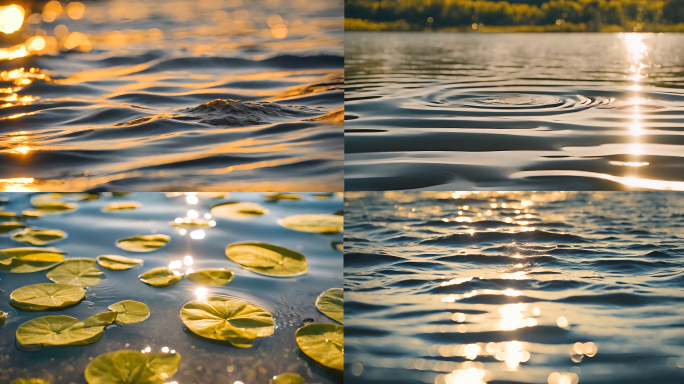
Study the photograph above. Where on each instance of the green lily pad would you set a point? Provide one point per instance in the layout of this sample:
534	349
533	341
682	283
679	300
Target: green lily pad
130	311
3	316
40	297
76	271
37	236
32	380
132	367
267	259
213	277
287	378
238	211
323	343
227	318
316	223
10	226
121	206
271	197
143	243
28	259
50	331
117	263
50	206
160	277
331	303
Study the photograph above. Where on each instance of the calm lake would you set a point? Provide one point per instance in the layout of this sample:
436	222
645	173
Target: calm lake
514	287
133	97
514	111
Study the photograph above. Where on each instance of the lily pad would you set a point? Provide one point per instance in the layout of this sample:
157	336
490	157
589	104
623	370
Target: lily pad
52	206
227	318
323	343
337	245
3	316
117	263
37	236
32	380
271	197
188	222
323	195
50	331
316	223
130	311
331	303
76	271
4	215
24	260
143	243
287	378
160	277
132	367
31	214
213	277
10	226
121	206
40	297
267	259
238	211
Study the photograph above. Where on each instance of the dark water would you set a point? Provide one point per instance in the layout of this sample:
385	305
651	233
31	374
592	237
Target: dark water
157	97
92	233
490	287
514	111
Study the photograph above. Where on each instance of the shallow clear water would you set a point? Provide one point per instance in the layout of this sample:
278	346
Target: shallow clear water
133	107
92	233
514	111
499	287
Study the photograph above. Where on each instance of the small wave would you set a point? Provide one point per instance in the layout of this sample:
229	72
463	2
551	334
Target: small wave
485	237
235	113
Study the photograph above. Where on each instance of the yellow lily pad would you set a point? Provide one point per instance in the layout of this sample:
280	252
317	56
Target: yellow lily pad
40	297
213	277
132	367
4	215
324	343
49	205
50	331
143	243
118	263
29	259
238	210
76	271
160	277
331	303
227	318
38	236
31	214
121	206
287	378
32	380
267	259
337	245
3	316
10	226
271	197
188	222
316	223
130	311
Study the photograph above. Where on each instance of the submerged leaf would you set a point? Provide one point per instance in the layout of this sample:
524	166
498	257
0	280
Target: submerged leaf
214	277
267	259
37	236
143	243
117	263
10	226
76	271
316	223
29	259
39	297
132	367
227	318
60	330
287	378
160	277
121	206
331	303
238	211
323	342
130	311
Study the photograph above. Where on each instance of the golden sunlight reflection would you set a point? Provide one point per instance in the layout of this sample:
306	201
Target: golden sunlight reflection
11	18
562	322
636	54
18	184
201	293
469	373
563	378
198	234
512	317
506	292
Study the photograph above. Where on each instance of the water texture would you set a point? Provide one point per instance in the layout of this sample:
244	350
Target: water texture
514	111
176	95
514	287
92	233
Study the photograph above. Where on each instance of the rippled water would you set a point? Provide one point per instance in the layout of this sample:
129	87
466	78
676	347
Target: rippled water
158	95
92	233
514	287
514	111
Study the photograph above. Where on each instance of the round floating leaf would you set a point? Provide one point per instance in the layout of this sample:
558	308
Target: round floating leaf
323	195
268	259
31	214
4	215
132	367
24	260
121	206
188	222
60	330
337	245
79	196
76	271
271	197
238	211
3	316
130	312
160	277
39	297
118	263
287	378
331	303
316	223
214	277
32	380
227	318
46	206
10	226
323	343
143	243
37	236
